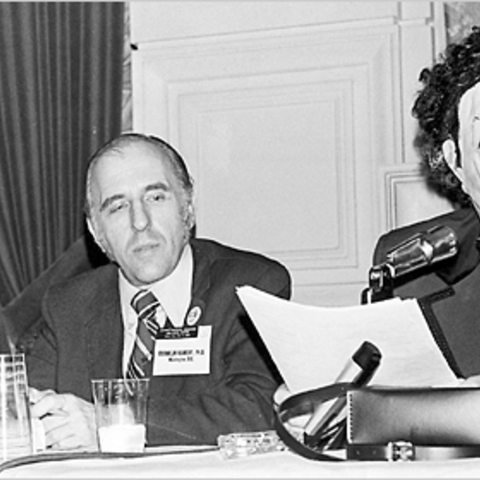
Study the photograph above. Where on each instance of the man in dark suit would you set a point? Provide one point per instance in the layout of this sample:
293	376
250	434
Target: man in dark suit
448	112
140	212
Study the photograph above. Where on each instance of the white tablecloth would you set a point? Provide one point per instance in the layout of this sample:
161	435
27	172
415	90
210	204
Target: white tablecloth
211	464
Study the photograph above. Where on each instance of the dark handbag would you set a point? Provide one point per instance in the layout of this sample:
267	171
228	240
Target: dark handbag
413	423
383	423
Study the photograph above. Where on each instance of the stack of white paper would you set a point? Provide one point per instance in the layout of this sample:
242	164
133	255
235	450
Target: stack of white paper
310	345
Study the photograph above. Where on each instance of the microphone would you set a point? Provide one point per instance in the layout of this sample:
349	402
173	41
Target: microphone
358	370
422	249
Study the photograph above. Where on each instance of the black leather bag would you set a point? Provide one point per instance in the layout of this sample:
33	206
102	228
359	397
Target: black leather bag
383	423
413	423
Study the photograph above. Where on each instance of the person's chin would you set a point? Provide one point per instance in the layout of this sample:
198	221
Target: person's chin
150	271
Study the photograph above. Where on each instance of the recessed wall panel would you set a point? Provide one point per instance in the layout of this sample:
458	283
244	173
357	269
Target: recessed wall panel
286	130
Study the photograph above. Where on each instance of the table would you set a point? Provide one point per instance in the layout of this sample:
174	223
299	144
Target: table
211	464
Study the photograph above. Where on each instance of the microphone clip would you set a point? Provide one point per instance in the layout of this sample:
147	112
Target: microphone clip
380	284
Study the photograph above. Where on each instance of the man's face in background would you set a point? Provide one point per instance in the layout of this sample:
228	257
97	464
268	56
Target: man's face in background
140	215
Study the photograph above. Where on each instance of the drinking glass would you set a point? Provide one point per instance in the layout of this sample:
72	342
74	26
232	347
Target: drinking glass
120	412
15	423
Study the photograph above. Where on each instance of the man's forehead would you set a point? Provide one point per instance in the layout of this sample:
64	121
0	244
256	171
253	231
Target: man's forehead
133	157
131	167
134	150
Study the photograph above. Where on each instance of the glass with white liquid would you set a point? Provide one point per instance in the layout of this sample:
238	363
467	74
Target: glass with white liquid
121	411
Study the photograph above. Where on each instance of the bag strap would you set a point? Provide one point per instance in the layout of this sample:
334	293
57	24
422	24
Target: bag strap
306	402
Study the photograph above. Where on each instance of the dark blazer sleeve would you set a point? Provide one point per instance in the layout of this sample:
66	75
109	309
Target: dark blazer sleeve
79	336
40	356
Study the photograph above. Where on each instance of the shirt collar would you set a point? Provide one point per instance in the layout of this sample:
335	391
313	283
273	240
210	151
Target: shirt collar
173	292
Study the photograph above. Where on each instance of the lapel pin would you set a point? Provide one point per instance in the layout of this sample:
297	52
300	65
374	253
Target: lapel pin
193	316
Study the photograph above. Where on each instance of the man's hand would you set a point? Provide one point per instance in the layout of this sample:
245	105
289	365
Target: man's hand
68	421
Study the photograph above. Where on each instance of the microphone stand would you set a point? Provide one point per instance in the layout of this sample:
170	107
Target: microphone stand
380	284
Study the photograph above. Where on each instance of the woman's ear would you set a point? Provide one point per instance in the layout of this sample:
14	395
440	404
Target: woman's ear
449	151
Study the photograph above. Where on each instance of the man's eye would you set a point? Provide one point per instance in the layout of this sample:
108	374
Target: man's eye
156	197
117	207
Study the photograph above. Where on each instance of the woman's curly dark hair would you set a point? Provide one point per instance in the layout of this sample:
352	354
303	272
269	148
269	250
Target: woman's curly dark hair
436	109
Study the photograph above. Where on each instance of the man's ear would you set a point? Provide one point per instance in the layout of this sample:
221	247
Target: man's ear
91	229
449	151
190	216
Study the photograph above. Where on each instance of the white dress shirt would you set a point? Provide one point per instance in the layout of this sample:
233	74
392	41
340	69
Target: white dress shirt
173	293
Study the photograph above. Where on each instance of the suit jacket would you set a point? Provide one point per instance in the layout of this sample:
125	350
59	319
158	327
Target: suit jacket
448	291
82	339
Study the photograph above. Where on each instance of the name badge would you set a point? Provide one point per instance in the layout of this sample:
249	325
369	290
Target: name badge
183	351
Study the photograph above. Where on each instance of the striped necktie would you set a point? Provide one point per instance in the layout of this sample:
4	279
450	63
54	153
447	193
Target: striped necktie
145	304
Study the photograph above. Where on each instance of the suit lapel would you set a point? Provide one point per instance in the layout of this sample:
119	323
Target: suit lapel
104	329
453	318
201	278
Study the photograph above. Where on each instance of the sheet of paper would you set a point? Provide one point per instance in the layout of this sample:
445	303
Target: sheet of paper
310	345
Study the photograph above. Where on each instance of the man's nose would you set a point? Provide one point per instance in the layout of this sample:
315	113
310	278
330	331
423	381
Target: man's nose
140	216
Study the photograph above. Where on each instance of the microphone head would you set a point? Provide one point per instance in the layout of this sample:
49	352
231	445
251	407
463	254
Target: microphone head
367	357
422	249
